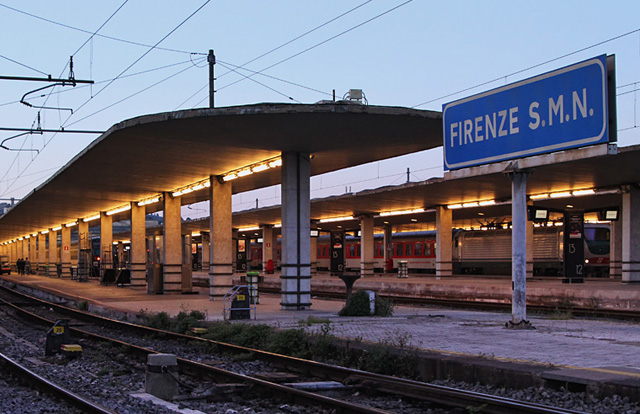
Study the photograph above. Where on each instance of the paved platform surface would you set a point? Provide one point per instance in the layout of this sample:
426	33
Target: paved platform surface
598	347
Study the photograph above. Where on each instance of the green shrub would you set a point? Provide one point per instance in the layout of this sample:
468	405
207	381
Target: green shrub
358	305
160	320
291	342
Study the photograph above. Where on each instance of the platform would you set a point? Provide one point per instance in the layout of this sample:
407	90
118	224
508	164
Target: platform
569	348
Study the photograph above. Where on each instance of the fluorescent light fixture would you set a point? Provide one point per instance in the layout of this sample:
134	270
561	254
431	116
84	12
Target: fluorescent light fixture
560	194
75	223
148	201
119	210
401	212
275	163
259	168
44	232
244	173
454	206
249	229
20	238
558	224
207	183
56	228
176	193
198	187
472	204
88	219
27	236
196	234
187	190
334	219
277	226
229	177
487	203
539	196
583	192
34	234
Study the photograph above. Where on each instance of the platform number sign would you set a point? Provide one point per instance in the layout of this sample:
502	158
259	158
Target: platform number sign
337	252
574	247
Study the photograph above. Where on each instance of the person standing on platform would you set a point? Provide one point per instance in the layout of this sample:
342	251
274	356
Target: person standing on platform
18	264
27	267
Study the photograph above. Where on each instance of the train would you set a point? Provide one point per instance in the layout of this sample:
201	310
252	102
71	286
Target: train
475	252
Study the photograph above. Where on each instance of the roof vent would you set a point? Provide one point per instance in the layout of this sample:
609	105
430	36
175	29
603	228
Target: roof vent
356	95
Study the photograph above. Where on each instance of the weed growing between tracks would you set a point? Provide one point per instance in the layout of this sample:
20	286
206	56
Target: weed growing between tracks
359	305
392	356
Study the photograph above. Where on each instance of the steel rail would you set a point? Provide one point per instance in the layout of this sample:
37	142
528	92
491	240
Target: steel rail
43	384
396	386
220	374
619	314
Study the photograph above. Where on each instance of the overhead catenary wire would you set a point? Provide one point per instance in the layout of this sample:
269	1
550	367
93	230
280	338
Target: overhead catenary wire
537	65
24	65
321	43
131	42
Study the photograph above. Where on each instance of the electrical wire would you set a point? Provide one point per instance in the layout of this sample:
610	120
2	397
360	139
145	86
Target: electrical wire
528	68
98	35
23	65
323	42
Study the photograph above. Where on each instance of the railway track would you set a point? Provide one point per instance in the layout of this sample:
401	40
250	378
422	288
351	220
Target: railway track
617	314
361	381
36	381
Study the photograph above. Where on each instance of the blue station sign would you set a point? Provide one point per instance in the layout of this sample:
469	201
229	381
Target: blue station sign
566	108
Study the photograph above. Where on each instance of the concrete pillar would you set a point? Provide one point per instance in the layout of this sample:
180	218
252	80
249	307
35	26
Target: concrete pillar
296	243
54	252
138	247
234	251
222	246
529	253
268	246
65	252
42	254
313	250
14	254
631	235
387	252
172	245
518	250
366	246
106	241
33	257
444	253
206	247
24	247
615	253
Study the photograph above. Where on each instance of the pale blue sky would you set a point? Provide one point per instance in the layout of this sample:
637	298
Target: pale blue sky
417	53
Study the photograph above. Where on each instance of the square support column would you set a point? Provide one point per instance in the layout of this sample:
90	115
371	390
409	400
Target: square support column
54	253
615	253
42	254
206	248
106	243
65	252
220	230
172	245
387	251
268	246
444	254
296	243
529	248
631	235
313	250
138	247
366	246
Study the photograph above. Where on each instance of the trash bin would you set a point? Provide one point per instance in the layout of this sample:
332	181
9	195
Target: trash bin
74	272
270	269
403	268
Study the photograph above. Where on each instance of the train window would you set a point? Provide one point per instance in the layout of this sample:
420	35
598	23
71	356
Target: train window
377	252
399	249
418	251
358	250
597	240
319	253
408	250
352	250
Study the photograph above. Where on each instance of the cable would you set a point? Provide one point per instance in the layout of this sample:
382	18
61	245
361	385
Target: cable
144	54
23	65
98	35
323	42
101	26
131	96
529	68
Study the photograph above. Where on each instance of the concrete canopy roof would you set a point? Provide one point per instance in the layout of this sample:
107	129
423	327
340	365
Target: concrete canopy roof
141	157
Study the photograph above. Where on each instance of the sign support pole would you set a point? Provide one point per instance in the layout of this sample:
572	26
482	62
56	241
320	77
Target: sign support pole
518	249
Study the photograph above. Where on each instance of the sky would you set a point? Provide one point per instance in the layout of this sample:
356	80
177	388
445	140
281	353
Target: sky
419	54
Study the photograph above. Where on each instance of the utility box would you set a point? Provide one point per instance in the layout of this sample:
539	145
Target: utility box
240	306
403	268
162	372
57	336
